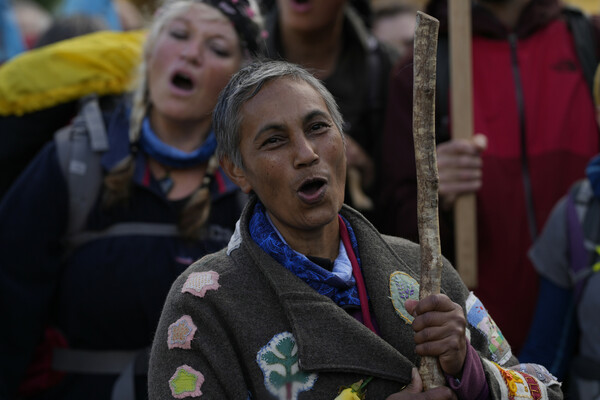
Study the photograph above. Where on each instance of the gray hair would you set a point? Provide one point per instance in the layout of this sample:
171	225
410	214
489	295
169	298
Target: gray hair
244	85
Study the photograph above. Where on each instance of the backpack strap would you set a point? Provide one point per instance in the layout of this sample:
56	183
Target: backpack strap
585	42
79	148
583	220
124	229
126	364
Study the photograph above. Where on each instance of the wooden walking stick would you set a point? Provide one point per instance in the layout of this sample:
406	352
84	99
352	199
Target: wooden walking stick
461	105
424	75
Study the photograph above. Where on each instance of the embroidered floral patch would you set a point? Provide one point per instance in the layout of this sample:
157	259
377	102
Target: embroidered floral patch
200	282
186	382
402	288
520	385
279	362
479	318
181	333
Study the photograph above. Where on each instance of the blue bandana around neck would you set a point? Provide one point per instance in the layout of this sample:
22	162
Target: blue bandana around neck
172	157
320	279
593	174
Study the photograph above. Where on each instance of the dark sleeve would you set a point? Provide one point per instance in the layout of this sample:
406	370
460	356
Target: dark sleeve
552	335
206	355
32	221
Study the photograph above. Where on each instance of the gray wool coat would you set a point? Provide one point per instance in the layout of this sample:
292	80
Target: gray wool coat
238	325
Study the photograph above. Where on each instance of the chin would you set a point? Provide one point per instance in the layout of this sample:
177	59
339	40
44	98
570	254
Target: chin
322	217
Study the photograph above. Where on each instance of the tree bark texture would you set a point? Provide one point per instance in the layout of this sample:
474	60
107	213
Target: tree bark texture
425	52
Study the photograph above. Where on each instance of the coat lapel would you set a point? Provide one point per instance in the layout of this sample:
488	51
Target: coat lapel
330	339
379	261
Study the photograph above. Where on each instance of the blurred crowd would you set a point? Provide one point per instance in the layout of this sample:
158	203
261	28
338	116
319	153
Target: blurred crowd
148	192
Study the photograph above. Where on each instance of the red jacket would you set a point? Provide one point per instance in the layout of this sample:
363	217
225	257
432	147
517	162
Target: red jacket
555	115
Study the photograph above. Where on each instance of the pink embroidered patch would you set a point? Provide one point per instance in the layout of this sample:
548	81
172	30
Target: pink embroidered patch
181	333
186	382
199	282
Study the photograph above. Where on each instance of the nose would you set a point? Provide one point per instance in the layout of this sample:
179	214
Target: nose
192	52
305	152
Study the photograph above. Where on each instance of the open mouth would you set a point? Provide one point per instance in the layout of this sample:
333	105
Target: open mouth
183	82
301	5
311	189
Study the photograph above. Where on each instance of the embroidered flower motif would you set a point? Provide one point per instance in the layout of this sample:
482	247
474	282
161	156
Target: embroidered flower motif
186	382
478	317
200	282
356	391
181	333
279	362
520	384
402	288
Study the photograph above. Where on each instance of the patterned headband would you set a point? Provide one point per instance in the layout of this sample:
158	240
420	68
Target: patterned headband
246	21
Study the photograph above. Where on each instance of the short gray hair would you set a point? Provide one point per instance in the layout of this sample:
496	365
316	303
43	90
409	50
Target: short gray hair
244	85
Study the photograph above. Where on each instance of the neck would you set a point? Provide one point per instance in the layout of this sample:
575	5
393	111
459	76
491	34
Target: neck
508	12
323	242
317	51
185	136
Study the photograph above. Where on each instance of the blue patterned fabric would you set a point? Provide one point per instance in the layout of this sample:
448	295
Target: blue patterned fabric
172	157
323	281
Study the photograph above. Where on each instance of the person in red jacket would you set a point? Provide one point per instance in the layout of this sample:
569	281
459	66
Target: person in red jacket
534	115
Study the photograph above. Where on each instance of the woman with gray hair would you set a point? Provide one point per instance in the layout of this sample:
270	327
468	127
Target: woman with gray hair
308	297
81	305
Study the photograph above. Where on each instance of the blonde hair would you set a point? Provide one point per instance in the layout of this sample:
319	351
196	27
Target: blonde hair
118	183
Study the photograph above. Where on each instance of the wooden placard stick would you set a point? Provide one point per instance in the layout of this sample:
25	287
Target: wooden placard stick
461	105
424	75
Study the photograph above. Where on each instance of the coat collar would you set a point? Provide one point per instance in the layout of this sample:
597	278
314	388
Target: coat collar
330	339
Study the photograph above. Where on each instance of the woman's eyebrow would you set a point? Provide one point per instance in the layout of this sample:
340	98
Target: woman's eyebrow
315	113
268	127
279	126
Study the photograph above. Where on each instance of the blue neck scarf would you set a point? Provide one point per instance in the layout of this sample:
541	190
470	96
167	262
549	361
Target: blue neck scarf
172	157
320	279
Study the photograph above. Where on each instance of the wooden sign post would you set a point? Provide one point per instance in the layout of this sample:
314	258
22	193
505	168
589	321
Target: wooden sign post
461	117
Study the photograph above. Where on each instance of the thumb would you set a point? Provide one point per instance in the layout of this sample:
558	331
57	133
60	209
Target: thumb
480	141
416	384
410	306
